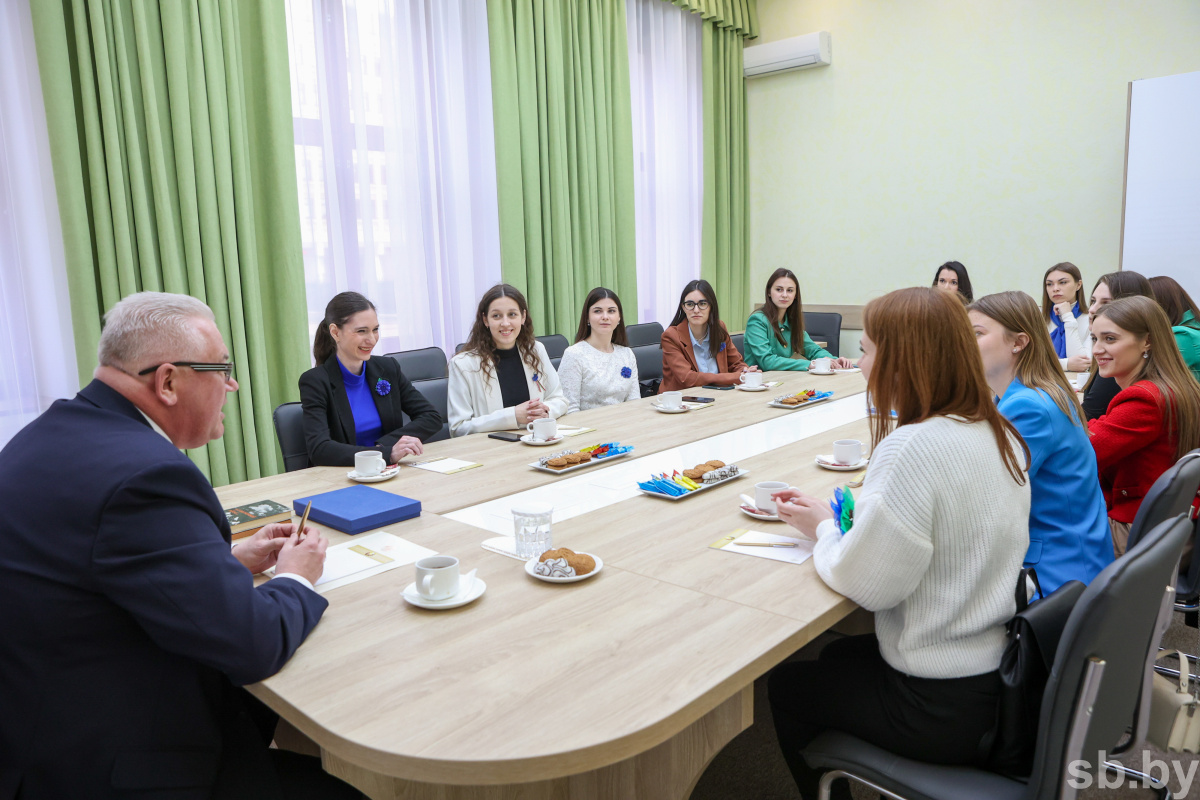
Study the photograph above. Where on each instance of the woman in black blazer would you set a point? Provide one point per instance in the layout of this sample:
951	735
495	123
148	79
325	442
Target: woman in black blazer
347	380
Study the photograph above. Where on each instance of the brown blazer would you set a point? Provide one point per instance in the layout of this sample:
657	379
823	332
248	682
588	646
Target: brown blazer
679	361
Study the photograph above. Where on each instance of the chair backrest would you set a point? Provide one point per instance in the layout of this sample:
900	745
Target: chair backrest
554	362
644	333
739	341
556	344
1171	495
423	364
1100	683
289	430
822	326
458	348
436	391
649	361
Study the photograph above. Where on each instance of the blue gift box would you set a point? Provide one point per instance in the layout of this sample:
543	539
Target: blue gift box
358	508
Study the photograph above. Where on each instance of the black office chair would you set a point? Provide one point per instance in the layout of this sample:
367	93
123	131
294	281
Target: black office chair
824	327
289	430
1099	689
649	365
644	333
556	344
1176	491
739	341
423	364
458	348
435	390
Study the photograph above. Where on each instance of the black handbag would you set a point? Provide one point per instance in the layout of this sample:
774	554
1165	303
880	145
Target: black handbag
1033	635
649	387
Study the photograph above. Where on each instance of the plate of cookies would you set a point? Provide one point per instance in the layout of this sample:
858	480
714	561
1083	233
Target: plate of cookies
562	565
678	485
800	399
571	460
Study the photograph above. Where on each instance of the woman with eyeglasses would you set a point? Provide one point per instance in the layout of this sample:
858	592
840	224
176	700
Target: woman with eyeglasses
697	349
353	402
775	335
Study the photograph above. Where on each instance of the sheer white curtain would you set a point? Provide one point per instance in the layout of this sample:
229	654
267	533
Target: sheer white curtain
666	88
395	158
37	352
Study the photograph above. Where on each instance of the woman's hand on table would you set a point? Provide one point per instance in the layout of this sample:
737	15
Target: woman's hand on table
531	410
1079	363
802	511
843	363
748	368
407	446
259	552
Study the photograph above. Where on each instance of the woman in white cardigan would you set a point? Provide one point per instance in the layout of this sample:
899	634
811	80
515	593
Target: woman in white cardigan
934	548
1065	310
503	378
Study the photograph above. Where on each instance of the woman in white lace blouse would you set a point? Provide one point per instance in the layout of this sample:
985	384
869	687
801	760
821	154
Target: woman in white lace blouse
600	368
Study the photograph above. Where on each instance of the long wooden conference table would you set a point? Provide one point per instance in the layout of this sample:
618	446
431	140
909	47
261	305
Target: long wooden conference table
624	685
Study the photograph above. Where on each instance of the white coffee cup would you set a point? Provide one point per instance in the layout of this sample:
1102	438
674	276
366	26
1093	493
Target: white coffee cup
821	365
763	492
437	577
752	380
671	399
847	451
368	463
543	430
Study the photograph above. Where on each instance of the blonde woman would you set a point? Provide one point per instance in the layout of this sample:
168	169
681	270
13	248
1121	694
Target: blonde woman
1155	417
1068	524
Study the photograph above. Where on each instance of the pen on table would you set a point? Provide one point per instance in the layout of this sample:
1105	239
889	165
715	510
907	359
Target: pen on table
303	521
765	544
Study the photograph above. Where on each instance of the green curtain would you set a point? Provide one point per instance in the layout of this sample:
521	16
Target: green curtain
171	136
739	15
564	154
725	236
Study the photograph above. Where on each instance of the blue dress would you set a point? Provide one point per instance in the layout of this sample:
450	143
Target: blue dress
1069	535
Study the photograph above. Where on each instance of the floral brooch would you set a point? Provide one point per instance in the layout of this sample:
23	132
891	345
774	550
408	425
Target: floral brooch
382	387
722	350
626	372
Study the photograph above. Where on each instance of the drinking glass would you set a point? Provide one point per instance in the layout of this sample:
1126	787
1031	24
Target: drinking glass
531	529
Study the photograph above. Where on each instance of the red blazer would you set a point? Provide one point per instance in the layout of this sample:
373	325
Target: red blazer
680	370
1132	448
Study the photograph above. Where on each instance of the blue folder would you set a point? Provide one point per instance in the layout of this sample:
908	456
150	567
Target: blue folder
358	508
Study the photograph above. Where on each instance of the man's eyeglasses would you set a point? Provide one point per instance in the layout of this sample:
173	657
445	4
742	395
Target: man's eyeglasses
198	366
700	304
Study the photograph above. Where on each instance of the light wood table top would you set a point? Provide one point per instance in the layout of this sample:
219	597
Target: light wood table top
505	467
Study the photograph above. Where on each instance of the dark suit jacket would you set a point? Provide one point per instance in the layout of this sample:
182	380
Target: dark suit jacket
329	422
125	622
680	370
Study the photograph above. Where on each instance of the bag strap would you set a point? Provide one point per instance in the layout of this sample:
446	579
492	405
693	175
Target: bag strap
1021	594
1185	667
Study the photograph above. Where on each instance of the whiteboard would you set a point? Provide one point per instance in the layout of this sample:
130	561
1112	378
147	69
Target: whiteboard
1162	180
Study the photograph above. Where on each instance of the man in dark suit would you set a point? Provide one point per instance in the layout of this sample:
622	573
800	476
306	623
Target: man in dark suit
125	620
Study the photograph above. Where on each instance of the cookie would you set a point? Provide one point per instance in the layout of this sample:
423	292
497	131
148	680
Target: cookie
582	563
715	464
694	474
558	552
557	463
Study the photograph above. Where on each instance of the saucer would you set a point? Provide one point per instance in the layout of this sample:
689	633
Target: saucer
826	372
386	475
745	509
666	410
827	462
848	369
762	387
531	563
528	439
461	599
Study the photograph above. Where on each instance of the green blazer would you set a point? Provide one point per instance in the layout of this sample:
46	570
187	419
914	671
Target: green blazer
1187	336
764	351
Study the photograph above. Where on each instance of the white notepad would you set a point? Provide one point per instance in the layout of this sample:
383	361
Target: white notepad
793	555
446	466
365	556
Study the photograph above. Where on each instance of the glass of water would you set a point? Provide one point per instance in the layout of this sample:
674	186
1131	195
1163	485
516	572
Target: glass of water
531	529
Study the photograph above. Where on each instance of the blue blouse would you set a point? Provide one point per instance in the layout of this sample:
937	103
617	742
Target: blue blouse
368	427
704	360
1069	536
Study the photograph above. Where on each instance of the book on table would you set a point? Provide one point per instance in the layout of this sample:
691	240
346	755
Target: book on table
246	519
358	508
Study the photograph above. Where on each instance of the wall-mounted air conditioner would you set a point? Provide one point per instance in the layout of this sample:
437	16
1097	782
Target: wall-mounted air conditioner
799	52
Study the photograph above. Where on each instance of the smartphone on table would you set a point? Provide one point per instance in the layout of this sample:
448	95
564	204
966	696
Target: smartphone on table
688	399
505	436
718	388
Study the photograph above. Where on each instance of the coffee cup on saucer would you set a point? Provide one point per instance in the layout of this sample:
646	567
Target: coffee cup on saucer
368	463
763	492
437	577
543	430
751	380
821	366
671	399
847	451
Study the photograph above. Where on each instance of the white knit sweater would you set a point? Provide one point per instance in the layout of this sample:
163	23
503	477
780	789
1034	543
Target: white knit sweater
940	531
591	378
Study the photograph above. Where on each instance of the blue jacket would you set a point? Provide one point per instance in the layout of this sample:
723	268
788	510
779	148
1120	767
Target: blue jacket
1069	536
126	622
